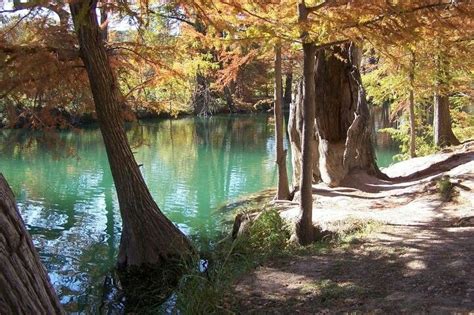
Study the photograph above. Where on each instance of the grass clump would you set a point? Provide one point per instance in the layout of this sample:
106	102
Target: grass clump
445	188
207	291
329	291
268	235
352	230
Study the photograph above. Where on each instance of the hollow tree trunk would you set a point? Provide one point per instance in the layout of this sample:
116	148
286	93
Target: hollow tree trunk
25	287
295	129
411	107
283	192
343	129
148	237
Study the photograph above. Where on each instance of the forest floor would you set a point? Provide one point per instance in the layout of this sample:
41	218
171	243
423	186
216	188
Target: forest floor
419	259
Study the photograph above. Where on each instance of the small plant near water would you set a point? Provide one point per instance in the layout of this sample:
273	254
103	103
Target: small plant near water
445	188
205	292
268	235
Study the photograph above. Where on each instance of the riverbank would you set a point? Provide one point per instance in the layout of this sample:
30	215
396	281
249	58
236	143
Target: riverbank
59	118
403	245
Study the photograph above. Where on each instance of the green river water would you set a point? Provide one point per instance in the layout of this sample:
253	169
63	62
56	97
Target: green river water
192	166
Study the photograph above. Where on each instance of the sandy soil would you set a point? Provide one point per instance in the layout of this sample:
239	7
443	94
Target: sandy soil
421	260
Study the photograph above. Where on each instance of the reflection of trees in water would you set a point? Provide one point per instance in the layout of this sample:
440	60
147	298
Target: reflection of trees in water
192	166
205	162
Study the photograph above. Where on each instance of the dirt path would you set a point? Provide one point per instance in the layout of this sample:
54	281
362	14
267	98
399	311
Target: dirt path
421	260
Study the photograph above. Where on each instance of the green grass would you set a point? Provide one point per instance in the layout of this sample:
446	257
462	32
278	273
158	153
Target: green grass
445	188
205	292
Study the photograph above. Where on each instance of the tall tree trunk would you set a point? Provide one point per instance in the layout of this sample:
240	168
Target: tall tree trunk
443	134
288	89
305	230
25	287
148	237
283	192
343	129
412	107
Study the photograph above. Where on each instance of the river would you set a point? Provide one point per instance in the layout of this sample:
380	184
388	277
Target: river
192	166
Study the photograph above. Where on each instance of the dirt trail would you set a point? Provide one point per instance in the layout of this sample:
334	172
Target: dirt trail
421	260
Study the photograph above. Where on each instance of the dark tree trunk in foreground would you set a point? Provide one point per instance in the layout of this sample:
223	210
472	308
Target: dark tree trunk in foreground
283	192
343	131
411	107
148	237
443	134
24	284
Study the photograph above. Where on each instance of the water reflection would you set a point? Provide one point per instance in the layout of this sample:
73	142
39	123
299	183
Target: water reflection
192	166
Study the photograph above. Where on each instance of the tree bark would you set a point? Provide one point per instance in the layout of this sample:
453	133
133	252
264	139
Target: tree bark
288	89
343	129
202	98
104	21
305	230
25	287
283	192
443	134
411	107
229	99
148	237
295	129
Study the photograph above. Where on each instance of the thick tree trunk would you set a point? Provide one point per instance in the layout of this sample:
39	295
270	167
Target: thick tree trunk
295	129
283	192
25	287
443	134
288	89
148	237
411	108
343	129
